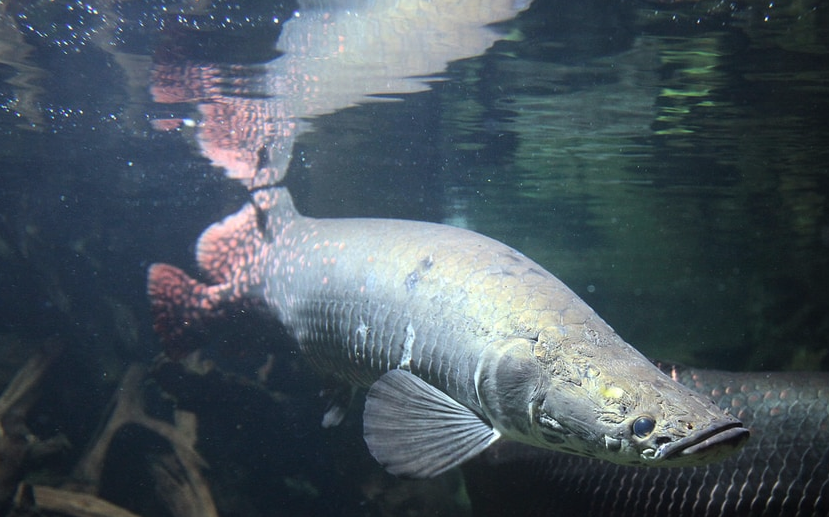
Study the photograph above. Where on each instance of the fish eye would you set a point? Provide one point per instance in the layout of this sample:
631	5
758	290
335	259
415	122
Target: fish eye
643	426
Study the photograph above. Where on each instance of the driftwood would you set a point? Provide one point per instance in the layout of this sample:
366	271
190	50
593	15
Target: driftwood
17	443
170	474
179	483
32	499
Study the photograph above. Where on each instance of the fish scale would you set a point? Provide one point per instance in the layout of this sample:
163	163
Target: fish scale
460	340
375	252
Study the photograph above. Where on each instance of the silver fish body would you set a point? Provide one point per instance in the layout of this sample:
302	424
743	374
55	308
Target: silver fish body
460	339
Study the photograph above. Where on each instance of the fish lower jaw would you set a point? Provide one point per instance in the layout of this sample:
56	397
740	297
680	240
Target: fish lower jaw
701	448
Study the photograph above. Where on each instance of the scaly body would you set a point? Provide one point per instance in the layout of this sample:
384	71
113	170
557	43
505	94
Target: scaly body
461	339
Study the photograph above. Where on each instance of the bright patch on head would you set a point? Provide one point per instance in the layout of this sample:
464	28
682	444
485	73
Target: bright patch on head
613	392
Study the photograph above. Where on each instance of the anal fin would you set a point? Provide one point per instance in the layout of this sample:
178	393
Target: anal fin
415	430
339	400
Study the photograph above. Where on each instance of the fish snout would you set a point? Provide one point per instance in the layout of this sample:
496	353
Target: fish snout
713	443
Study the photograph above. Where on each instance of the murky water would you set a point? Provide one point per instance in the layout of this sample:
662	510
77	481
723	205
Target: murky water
668	161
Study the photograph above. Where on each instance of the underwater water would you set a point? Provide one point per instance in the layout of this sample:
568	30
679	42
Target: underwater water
667	161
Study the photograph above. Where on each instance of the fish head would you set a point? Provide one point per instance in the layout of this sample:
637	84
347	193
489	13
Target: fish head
653	422
615	406
611	403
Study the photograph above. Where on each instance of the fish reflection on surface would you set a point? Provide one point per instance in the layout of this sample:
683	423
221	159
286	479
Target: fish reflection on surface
332	56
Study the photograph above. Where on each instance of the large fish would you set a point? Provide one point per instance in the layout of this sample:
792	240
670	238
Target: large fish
460	339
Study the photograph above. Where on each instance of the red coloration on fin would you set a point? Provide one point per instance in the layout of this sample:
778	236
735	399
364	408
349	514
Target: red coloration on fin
230	254
229	251
180	305
229	246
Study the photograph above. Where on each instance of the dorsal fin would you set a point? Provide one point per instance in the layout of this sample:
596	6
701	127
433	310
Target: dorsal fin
274	208
226	245
273	199
261	219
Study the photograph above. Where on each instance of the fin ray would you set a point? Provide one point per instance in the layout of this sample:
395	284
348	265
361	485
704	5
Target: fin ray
415	430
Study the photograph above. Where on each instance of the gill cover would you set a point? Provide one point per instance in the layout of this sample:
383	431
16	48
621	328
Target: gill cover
509	379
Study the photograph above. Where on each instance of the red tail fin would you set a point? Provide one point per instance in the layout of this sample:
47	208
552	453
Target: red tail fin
231	254
180	306
228	253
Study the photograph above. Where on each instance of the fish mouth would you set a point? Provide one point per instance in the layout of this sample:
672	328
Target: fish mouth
707	446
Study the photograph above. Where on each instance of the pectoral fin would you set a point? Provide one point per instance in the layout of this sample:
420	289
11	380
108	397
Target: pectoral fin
415	430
